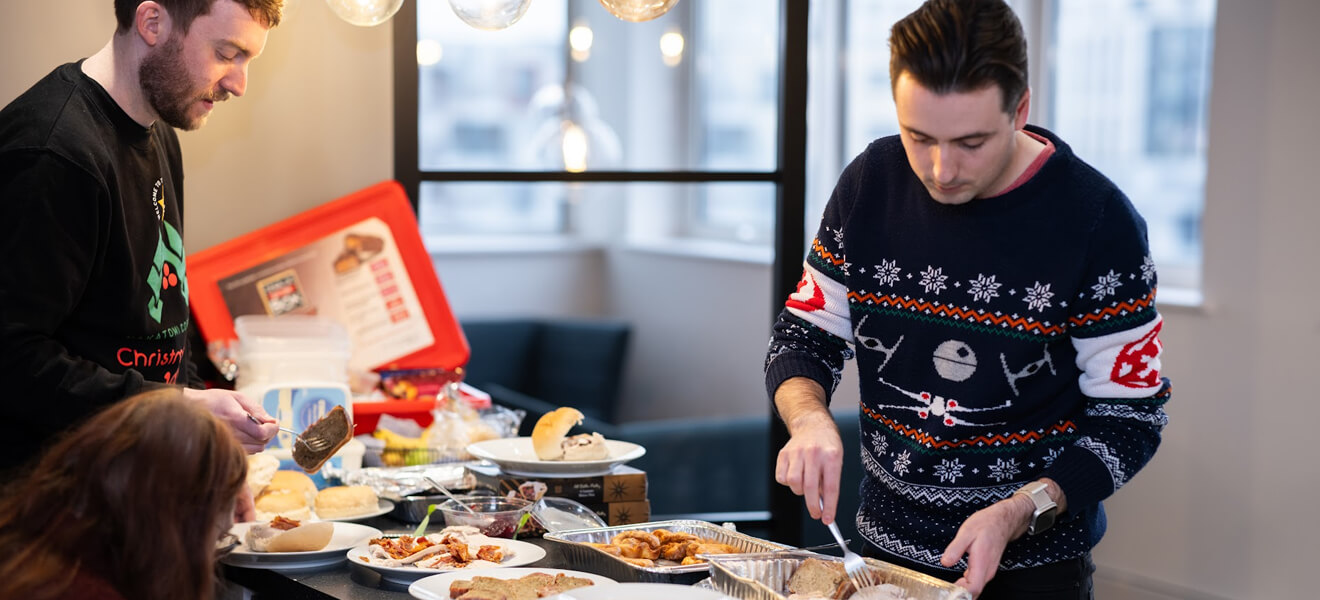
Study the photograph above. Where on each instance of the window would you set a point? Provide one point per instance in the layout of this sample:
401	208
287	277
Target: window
1125	82
494	104
1128	90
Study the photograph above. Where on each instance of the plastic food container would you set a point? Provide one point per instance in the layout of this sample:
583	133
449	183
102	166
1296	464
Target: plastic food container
497	516
563	514
291	348
765	576
574	549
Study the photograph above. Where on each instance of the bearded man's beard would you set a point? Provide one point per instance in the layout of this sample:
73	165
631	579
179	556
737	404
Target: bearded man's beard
168	85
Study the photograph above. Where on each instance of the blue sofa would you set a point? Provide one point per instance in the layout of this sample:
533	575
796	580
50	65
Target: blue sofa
712	468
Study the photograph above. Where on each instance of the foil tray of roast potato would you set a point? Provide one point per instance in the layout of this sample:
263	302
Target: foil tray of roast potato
765	576
574	546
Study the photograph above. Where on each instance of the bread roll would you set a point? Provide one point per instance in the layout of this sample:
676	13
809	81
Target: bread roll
261	468
308	537
296	482
548	435
282	503
345	501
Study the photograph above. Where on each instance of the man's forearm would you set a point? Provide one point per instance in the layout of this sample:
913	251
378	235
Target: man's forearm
801	402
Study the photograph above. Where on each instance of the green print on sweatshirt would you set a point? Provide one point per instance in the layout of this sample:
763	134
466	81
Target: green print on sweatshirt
167	270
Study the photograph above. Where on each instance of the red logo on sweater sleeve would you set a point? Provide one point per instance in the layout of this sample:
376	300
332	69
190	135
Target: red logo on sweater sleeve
808	297
1134	367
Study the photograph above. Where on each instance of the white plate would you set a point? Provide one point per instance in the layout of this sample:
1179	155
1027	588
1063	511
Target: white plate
641	591
436	587
346	535
523	554
382	506
516	456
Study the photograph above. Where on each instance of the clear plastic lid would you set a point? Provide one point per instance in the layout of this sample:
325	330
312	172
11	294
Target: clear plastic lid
290	334
562	514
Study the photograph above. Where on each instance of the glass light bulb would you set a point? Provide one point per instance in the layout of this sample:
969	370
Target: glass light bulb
638	10
490	14
568	132
671	48
365	13
574	147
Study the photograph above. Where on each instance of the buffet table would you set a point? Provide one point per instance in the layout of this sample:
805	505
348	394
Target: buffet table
344	580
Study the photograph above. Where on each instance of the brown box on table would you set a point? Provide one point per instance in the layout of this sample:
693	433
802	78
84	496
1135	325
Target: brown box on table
624	484
623	513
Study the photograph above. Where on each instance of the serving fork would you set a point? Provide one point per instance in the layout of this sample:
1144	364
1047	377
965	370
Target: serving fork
315	444
859	573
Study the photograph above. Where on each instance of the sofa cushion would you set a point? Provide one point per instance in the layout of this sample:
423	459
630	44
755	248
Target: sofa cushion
579	364
501	352
704	464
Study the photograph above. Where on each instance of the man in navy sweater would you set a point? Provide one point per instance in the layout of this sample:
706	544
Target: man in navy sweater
94	292
998	295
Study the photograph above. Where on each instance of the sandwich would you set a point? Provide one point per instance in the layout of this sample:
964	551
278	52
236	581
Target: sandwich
550	438
287	535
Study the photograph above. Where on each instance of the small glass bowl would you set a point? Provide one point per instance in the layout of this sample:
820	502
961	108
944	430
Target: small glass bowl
497	517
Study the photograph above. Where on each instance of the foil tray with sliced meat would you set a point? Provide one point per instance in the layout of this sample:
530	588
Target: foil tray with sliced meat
575	549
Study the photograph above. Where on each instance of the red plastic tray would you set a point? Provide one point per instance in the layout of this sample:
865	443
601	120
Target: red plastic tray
386	201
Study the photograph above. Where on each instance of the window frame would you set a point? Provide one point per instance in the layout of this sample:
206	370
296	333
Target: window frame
788	177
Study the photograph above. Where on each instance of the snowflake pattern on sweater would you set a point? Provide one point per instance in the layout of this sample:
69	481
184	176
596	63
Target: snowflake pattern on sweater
996	342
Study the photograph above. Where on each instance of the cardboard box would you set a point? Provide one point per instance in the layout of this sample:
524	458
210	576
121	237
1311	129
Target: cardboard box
623	484
623	513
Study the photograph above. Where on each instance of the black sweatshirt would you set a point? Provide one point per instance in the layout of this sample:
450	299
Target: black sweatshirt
93	293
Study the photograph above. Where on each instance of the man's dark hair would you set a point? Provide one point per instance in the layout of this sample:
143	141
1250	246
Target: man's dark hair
184	12
957	46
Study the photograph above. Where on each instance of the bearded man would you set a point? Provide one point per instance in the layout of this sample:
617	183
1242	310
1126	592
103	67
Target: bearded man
93	288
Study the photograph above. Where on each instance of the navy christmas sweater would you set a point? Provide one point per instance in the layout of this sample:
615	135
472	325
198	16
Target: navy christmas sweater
997	342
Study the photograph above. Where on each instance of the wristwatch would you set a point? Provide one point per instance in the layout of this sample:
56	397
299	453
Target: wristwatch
1046	509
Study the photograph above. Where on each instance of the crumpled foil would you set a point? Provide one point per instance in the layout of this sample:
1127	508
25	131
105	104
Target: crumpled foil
394	483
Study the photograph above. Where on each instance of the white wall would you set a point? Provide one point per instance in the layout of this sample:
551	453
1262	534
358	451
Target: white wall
314	125
1227	507
1224	511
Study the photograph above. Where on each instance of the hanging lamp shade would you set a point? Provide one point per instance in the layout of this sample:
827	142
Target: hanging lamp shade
570	134
365	13
638	10
490	14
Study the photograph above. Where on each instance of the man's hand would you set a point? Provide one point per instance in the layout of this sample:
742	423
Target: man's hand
812	460
985	534
233	408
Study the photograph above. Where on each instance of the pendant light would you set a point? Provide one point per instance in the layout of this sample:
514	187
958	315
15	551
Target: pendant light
571	134
638	10
365	13
490	14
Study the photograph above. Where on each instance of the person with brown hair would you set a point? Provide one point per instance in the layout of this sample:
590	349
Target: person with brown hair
91	196
998	295
131	504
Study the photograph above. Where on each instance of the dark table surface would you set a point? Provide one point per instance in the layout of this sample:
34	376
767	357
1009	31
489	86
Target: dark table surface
345	580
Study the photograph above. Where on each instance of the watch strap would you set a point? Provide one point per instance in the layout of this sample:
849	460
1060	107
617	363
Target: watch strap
1042	517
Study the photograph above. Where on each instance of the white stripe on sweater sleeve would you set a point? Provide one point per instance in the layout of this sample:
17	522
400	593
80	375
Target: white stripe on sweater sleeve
1121	365
823	302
